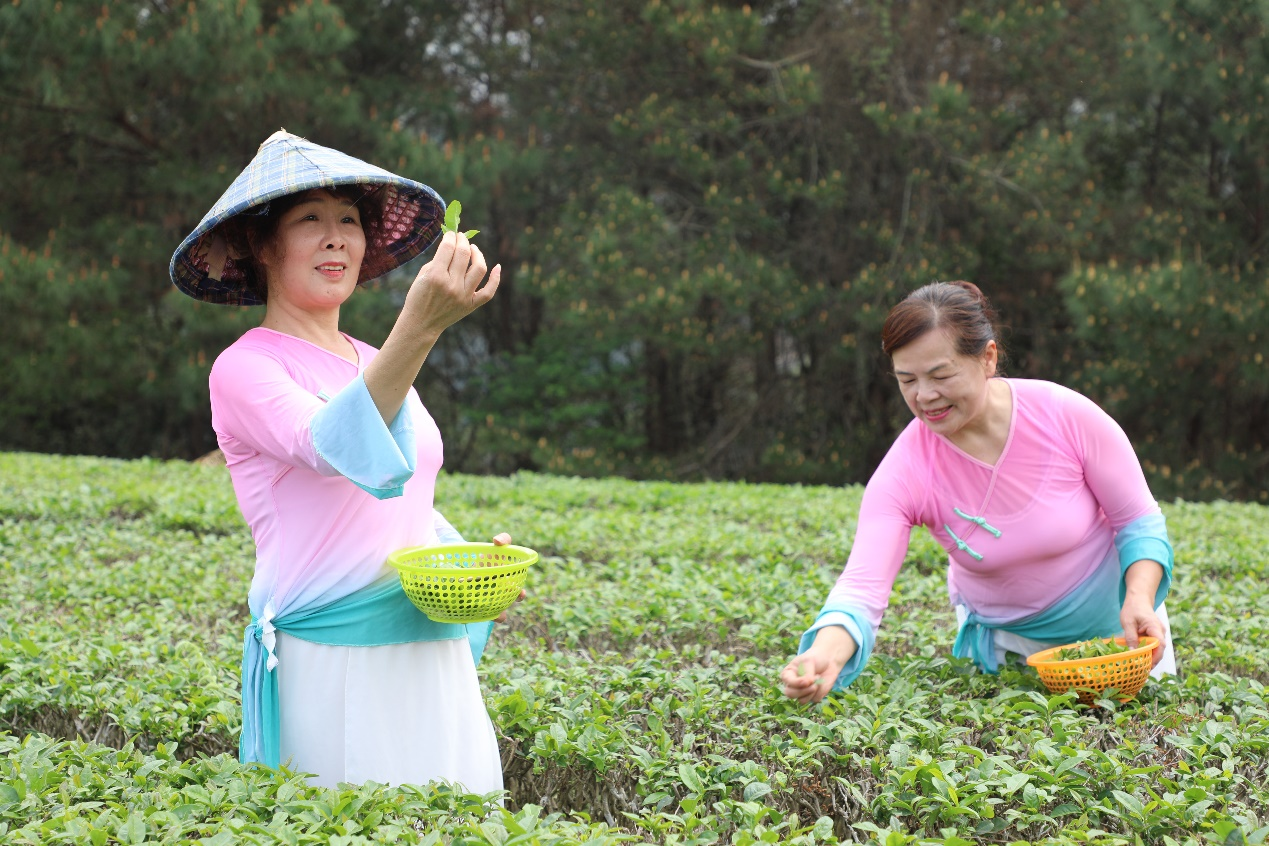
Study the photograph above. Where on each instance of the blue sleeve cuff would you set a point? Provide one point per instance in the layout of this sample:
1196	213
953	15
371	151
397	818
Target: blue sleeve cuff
1145	538
855	621
349	435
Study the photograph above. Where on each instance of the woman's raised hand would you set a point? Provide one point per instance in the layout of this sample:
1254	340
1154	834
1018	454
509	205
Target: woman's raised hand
447	288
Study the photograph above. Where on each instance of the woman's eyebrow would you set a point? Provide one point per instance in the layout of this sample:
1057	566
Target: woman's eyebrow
928	372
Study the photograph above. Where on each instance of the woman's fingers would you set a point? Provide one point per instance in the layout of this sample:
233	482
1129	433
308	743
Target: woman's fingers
794	686
808	678
1154	629
453	258
456	271
445	251
1132	618
501	539
467	270
474	271
462	255
802	681
1139	620
486	293
446	289
809	695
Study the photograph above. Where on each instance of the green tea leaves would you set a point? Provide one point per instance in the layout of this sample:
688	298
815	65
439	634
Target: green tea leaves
121	614
1089	649
452	214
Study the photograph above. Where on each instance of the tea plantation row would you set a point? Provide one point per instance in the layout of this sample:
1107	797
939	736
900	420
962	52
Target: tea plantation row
634	690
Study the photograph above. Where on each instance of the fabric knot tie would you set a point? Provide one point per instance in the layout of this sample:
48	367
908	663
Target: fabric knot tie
978	521
976	639
961	545
264	631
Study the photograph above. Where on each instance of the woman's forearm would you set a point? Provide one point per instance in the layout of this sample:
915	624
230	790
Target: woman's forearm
392	372
1141	580
447	289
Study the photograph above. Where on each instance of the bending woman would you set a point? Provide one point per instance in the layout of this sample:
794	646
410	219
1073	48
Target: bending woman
1035	492
334	462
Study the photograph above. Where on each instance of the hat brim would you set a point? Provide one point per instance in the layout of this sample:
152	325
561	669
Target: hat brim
411	220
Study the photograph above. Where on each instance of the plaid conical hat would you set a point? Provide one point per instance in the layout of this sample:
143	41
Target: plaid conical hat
204	267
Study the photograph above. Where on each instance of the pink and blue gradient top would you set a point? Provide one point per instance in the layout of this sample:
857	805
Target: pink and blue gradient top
1066	495
327	489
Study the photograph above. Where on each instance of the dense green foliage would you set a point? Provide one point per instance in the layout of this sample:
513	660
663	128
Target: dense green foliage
633	691
703	210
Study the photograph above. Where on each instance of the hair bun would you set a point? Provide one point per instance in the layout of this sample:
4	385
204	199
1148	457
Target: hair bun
973	289
980	299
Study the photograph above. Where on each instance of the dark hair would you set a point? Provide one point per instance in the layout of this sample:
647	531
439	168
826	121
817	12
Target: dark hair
248	234
958	308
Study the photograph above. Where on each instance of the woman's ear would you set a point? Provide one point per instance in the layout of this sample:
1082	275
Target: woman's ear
990	355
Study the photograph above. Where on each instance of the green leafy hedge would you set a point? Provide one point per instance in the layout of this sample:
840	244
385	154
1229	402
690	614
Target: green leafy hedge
634	691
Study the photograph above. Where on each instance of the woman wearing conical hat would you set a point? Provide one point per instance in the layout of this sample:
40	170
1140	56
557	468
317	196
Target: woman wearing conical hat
334	461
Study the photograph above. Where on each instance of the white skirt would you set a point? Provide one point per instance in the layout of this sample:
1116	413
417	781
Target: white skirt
1007	642
406	713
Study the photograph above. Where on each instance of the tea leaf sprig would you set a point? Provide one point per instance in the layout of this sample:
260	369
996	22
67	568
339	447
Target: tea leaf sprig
450	224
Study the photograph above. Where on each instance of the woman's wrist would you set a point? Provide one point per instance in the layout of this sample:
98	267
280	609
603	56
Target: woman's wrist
835	643
414	327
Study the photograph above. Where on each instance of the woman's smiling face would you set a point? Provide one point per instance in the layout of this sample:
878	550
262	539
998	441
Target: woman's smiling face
944	389
316	254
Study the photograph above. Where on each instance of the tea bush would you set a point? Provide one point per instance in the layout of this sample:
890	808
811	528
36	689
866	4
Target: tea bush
634	690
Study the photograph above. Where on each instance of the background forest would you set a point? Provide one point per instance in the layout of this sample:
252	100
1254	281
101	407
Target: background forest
703	210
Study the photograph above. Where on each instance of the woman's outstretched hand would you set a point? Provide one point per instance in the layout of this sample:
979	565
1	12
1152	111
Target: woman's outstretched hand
502	539
809	677
448	288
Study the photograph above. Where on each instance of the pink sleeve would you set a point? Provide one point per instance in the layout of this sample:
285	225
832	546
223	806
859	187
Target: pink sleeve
1111	468
256	404
886	518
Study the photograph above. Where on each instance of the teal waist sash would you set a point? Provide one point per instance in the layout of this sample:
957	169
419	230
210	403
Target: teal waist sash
1090	610
377	615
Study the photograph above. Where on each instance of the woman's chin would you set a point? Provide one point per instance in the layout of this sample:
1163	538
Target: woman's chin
336	295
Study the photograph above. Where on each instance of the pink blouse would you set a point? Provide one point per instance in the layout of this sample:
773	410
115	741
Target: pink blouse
319	536
1019	534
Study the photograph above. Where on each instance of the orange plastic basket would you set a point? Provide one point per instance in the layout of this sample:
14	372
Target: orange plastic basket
1125	671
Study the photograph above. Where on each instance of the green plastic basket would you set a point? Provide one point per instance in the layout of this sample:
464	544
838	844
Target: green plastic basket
463	582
